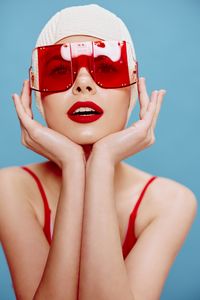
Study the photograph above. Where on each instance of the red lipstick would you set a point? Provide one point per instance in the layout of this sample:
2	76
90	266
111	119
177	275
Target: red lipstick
83	115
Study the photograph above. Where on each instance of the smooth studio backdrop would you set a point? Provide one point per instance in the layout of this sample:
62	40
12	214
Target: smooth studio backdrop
166	37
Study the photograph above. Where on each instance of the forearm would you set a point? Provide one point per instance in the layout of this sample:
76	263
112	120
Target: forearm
60	277
103	275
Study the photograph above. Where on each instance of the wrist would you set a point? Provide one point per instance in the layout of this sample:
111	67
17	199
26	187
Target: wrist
99	161
72	166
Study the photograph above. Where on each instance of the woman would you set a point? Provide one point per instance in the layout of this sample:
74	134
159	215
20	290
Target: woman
83	216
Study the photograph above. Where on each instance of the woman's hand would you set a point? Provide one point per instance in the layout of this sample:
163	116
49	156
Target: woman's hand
41	139
140	135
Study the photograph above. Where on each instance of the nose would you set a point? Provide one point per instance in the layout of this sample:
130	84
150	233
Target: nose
84	83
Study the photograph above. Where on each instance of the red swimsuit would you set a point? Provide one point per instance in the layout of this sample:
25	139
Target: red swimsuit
130	238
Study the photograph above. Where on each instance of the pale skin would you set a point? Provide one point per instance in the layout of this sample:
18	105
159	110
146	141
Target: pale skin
91	216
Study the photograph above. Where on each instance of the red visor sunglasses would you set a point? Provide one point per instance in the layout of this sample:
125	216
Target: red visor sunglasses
111	64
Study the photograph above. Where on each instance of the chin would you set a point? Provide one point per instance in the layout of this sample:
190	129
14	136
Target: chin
92	135
85	139
87	136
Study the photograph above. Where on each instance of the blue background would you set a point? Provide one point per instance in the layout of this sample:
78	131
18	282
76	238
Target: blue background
166	37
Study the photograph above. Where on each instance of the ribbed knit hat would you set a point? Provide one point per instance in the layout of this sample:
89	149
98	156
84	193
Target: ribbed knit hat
92	20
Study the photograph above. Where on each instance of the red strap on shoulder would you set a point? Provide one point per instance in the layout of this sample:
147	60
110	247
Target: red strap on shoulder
130	238
134	212
47	211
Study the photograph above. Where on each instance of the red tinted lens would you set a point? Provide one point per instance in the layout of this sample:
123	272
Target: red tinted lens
55	67
54	71
112	73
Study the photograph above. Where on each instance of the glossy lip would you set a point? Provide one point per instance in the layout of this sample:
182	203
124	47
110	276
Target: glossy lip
85	119
84	104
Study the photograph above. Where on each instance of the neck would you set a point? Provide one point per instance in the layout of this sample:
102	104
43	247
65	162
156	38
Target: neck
87	150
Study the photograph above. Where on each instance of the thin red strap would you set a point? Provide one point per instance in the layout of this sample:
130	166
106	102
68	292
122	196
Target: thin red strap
47	211
130	238
134	212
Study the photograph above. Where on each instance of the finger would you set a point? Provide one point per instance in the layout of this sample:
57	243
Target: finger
144	98
159	103
149	115
26	98
14	96
26	123
25	119
20	111
19	107
23	129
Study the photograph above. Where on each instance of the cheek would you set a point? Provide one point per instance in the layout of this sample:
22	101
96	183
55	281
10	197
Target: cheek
119	107
54	109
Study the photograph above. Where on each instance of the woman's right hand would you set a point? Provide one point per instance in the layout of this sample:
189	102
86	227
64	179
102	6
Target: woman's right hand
44	140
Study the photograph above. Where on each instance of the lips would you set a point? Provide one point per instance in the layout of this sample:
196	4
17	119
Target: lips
89	104
85	118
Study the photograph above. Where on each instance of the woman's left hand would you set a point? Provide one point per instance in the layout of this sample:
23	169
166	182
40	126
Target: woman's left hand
120	145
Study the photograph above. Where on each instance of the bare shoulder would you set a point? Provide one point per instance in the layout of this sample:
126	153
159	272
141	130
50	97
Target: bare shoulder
16	188
172	201
165	196
10	179
14	179
168	195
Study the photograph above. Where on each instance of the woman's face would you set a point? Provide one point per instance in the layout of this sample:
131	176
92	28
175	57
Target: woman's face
114	102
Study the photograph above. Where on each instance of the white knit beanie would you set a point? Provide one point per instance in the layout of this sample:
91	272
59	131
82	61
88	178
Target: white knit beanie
92	20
